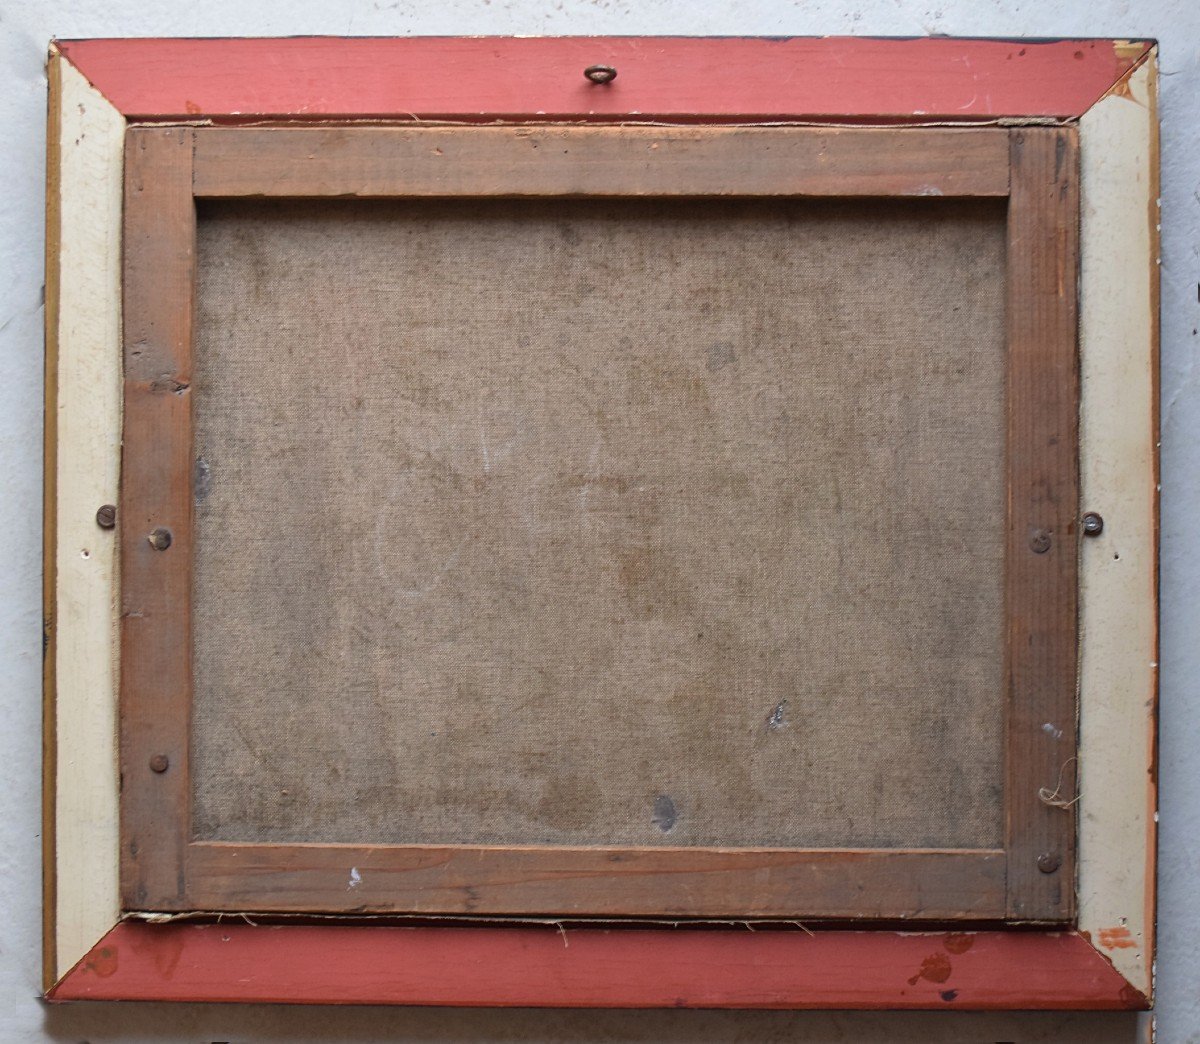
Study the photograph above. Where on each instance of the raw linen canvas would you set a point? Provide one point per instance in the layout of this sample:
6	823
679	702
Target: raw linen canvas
629	522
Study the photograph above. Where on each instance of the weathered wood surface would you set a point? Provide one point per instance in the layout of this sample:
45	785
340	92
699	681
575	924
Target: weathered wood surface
1043	396
599	161
920	885
667	78
1118	570
83	437
156	496
550	966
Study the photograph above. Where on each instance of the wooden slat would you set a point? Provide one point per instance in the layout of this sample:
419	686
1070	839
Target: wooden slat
545	966
604	161
1119	399
1043	393
919	885
50	528
83	438
484	78
156	677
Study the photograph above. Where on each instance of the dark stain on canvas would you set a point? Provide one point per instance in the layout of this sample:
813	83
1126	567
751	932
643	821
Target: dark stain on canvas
665	814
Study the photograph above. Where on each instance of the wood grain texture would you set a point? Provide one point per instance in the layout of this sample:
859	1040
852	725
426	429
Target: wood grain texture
50	529
545	966
736	883
156	676
1043	385
609	161
1118	570
595	161
499	161
83	435
482	78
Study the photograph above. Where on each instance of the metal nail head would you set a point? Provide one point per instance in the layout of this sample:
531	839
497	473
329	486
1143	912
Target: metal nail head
106	516
1093	524
1039	543
159	763
160	539
600	73
1048	862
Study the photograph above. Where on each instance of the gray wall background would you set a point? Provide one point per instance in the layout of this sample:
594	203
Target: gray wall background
25	28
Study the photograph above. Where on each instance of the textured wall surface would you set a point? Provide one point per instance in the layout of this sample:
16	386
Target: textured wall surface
25	28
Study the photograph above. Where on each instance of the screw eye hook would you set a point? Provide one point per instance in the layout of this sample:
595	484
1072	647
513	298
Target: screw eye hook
600	73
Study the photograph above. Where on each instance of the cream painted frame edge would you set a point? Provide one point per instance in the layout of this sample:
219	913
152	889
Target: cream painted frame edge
83	449
1119	479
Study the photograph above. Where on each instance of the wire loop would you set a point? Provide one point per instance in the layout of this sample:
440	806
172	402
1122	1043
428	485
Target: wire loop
600	73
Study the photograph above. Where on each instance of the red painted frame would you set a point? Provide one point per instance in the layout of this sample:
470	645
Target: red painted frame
694	79
544	966
825	80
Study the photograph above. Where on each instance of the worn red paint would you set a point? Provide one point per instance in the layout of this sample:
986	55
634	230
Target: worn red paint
1133	998
101	960
936	968
1119	938
593	967
959	942
675	78
166	951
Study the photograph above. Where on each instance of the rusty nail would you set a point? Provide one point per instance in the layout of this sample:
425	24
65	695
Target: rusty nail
1040	542
159	763
160	539
106	516
1048	862
600	73
1093	524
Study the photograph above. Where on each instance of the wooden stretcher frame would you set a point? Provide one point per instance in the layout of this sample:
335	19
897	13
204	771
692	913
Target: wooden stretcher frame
168	169
1101	92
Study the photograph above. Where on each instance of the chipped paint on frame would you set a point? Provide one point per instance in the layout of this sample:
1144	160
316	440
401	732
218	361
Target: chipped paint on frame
1118	479
83	411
